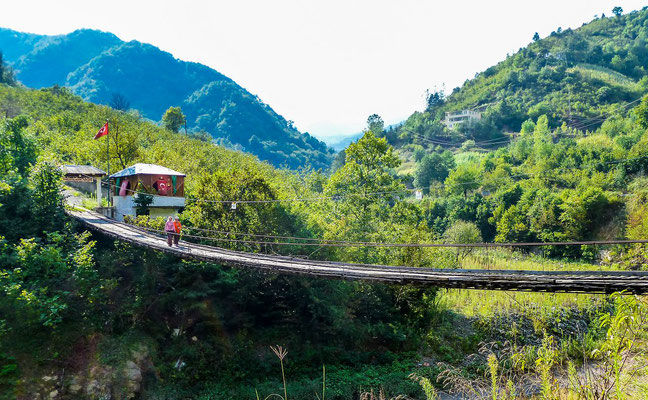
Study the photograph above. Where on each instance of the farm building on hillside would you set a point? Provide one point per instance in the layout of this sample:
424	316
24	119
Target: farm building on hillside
455	118
165	185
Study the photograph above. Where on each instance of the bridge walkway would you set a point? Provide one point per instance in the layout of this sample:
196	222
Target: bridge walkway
536	281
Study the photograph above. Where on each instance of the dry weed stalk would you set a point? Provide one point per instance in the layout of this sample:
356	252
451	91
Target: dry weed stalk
380	396
281	353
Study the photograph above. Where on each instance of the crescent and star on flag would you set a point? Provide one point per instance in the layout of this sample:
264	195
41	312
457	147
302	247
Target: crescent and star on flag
102	132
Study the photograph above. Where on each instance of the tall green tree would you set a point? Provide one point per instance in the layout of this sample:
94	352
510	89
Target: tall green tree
433	167
463	179
47	197
376	124
367	169
173	119
617	11
369	204
6	73
641	111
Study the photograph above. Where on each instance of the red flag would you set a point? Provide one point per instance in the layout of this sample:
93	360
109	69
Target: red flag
102	132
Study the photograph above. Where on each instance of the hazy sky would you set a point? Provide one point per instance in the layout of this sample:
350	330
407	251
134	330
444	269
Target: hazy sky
329	64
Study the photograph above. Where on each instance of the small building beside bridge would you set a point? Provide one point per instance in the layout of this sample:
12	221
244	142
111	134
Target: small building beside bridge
164	185
86	179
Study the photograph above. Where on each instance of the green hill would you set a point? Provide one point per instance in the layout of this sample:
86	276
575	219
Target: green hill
574	76
97	65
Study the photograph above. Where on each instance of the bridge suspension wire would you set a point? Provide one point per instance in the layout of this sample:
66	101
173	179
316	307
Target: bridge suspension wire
441	143
581	125
265	236
341	243
404	190
609	114
306	199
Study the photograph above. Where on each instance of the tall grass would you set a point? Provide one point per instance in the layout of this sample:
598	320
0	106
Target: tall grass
606	75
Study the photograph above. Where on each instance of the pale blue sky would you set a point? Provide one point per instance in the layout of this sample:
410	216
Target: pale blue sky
326	65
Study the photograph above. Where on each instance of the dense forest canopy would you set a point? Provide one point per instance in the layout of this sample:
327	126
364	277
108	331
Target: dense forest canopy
99	66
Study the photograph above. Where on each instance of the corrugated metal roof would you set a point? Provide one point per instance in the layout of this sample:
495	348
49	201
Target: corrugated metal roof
146	169
81	170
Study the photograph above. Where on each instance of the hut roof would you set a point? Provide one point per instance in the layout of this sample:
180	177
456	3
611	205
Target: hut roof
146	169
81	170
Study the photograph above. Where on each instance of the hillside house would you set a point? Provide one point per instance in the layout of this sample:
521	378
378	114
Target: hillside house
164	184
452	119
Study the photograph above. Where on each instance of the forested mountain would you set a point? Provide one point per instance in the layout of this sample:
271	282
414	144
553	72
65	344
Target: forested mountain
572	76
98	65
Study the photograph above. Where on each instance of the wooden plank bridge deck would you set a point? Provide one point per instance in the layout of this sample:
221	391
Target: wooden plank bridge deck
537	281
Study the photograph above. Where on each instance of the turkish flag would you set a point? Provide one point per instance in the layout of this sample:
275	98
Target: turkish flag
102	132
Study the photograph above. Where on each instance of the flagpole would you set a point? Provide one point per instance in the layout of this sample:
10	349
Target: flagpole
108	164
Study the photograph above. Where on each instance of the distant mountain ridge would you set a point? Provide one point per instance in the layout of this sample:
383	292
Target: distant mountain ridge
95	65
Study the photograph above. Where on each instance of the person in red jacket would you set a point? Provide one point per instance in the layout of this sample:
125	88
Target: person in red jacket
178	228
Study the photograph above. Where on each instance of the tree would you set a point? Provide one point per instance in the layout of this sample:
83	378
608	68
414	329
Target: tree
512	224
642	113
433	167
174	119
536	37
338	161
434	98
463	179
119	102
367	168
18	147
366	186
418	153
246	183
6	73
468	145
375	124
142	202
47	197
462	232
617	11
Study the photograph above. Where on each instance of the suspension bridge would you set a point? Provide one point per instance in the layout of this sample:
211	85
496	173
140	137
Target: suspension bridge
631	282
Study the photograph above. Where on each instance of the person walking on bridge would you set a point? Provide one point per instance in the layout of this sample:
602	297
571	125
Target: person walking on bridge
169	228
178	228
